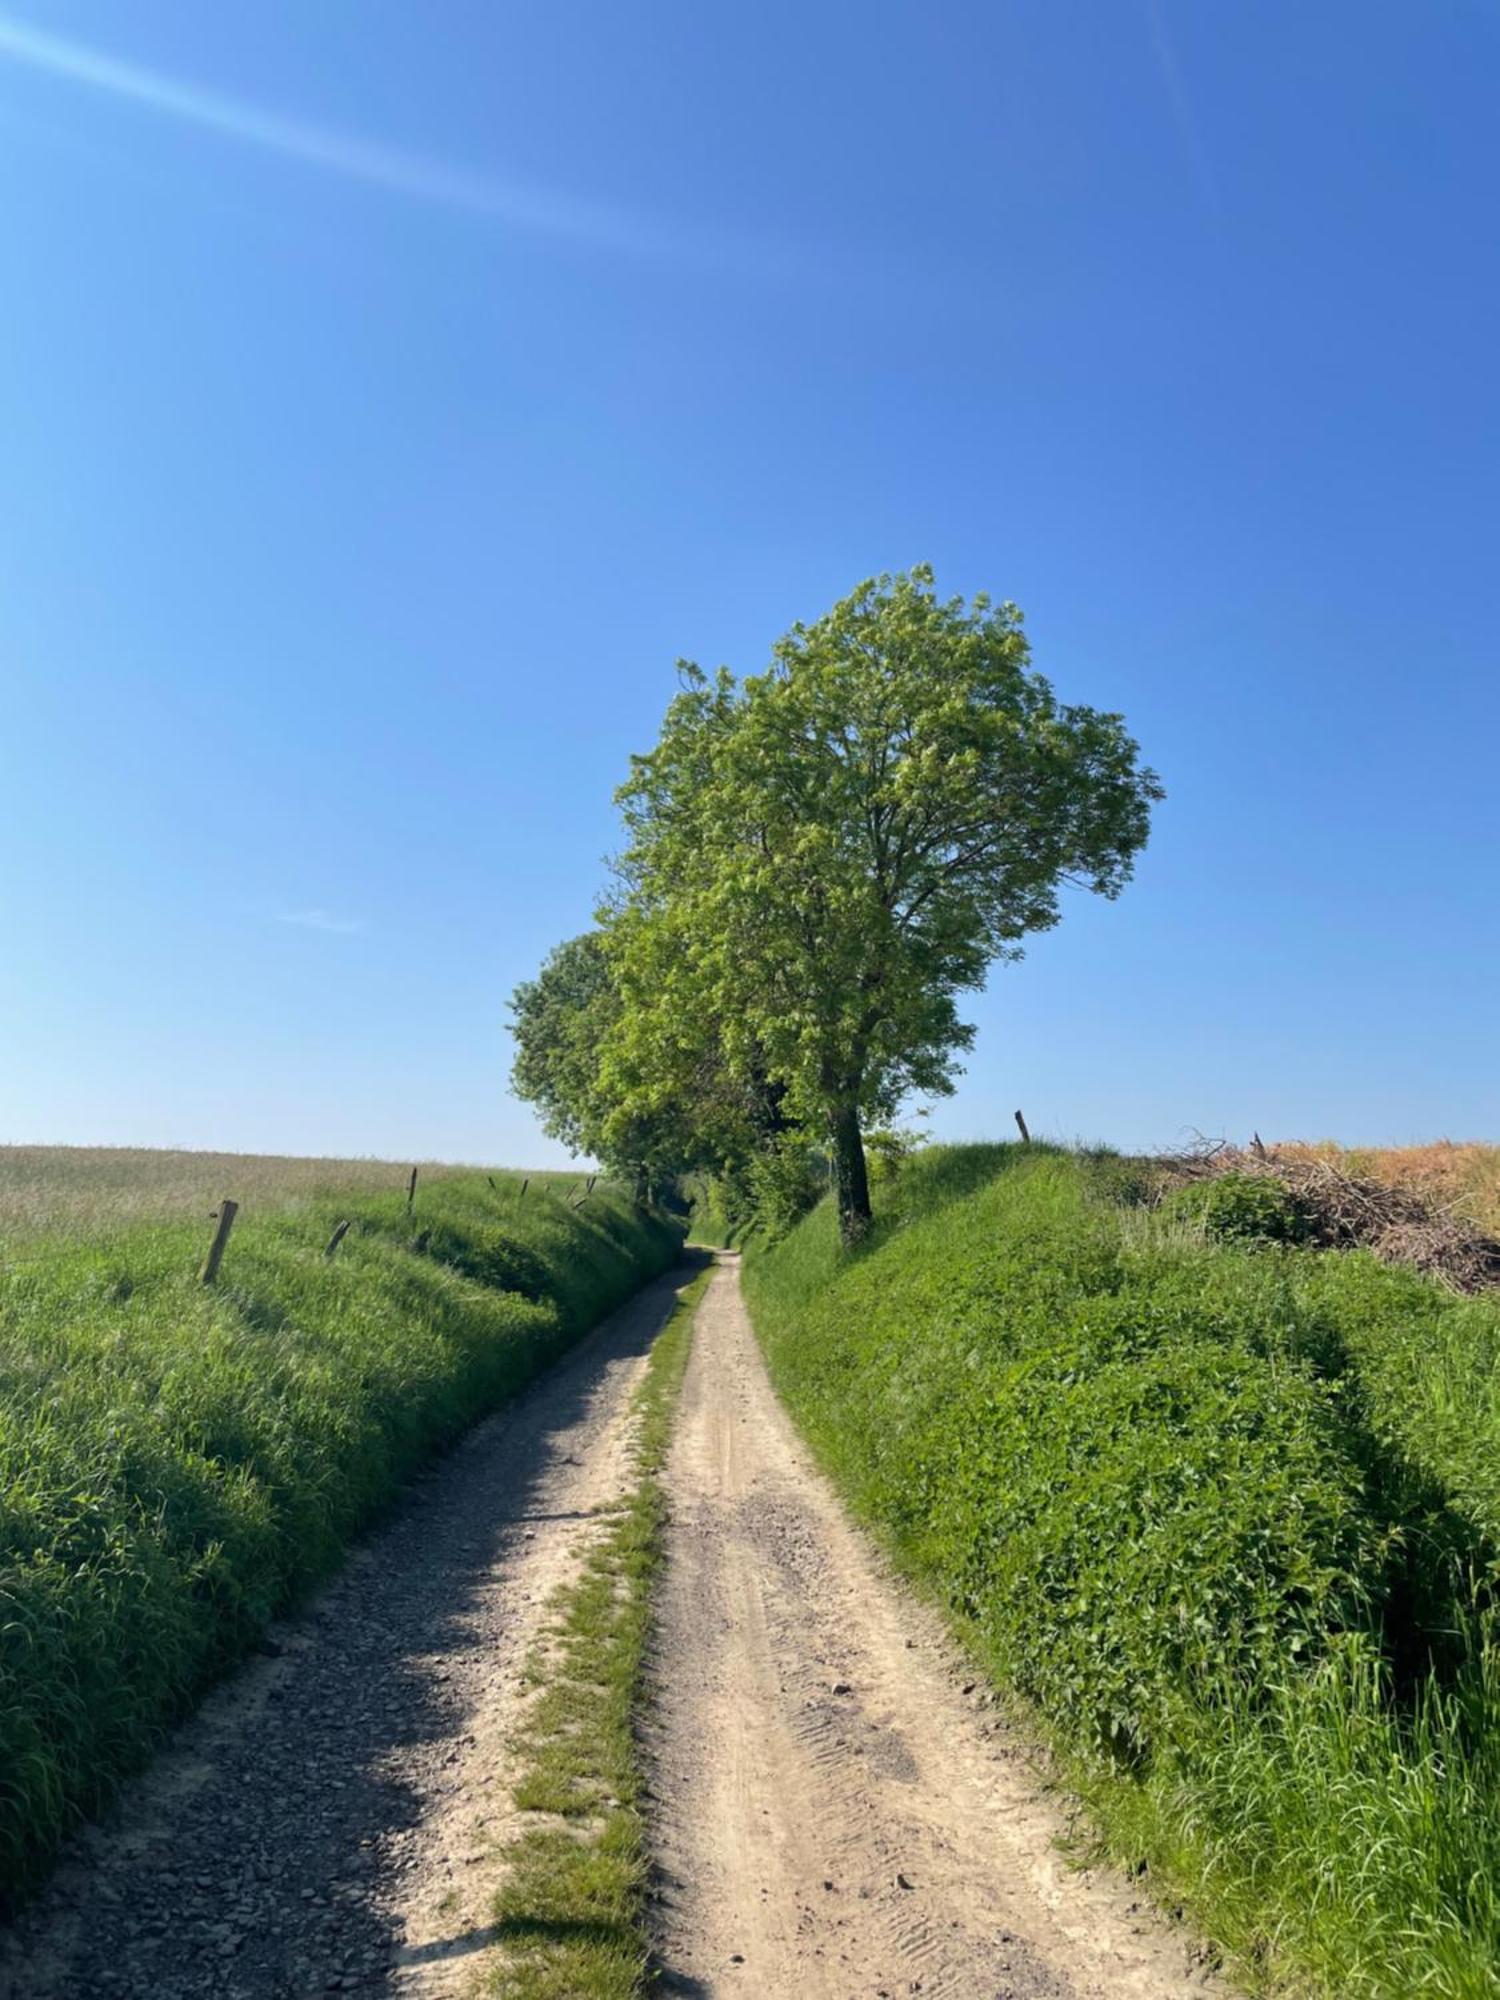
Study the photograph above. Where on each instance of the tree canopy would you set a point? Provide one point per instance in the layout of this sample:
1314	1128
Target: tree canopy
823	857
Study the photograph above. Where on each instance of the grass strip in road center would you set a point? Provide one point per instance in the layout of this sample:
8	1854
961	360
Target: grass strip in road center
569	1915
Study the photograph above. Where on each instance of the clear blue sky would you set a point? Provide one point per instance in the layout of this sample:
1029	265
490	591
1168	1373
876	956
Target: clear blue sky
393	392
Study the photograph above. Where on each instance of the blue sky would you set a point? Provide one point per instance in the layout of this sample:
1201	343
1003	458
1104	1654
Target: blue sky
391	393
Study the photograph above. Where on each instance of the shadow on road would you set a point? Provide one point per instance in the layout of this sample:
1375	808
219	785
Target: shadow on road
257	1863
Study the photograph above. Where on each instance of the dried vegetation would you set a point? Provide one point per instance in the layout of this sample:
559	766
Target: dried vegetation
1420	1206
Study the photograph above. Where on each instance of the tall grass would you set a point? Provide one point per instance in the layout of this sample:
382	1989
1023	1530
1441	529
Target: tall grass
98	1191
1225	1518
178	1463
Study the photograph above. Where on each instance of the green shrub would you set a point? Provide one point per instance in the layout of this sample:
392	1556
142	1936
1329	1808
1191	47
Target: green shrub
1151	1513
1251	1208
178	1463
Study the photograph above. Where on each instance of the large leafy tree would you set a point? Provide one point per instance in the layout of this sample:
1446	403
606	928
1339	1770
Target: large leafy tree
823	857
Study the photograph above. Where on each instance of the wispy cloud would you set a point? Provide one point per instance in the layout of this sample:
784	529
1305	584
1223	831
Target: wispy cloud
413	174
1182	109
320	920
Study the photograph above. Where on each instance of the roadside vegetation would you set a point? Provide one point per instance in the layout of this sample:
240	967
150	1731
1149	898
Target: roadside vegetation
179	1461
1222	1511
571	1913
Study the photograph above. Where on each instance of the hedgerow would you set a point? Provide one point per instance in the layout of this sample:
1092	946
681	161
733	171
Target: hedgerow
179	1462
1222	1513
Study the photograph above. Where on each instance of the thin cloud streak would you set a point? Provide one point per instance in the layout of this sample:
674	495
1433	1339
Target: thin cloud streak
1182	110
320	920
395	171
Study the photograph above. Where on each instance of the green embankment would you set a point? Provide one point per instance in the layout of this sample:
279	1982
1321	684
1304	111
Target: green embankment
1224	1516
178	1463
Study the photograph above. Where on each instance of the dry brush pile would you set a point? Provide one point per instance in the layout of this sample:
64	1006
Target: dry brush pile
1418	1223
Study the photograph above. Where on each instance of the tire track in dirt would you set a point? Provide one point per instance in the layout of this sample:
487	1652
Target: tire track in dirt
834	1816
332	1819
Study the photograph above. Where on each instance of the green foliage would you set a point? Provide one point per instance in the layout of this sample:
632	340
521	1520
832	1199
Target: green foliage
1225	1515
822	858
558	1020
887	1151
649	1096
178	1463
785	1180
1251	1207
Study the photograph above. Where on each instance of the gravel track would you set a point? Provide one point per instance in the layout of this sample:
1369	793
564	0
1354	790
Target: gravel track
329	1821
838	1815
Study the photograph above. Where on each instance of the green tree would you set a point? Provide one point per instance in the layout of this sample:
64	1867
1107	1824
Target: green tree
646	1093
557	1020
562	1022
822	858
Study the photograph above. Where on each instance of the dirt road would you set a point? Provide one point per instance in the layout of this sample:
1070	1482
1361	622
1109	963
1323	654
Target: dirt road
331	1821
837	1817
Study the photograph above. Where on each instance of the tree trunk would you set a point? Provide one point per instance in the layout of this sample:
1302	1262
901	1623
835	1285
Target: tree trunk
849	1178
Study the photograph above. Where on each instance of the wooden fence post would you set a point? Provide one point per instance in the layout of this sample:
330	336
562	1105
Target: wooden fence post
411	1190
337	1238
226	1212
526	1183
1025	1135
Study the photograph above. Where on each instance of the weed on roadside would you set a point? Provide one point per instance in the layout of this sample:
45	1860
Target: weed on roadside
569	1914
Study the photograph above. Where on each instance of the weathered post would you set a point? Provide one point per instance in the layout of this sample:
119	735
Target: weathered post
337	1238
225	1214
411	1190
1025	1135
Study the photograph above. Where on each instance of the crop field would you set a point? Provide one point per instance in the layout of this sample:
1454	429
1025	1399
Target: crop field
180	1461
97	1190
1224	1512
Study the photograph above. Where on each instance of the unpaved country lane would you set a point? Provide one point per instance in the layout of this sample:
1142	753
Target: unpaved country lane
834	1817
331	1820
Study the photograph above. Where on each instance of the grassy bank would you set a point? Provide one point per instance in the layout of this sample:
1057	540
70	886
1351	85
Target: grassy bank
571	1913
1224	1516
178	1463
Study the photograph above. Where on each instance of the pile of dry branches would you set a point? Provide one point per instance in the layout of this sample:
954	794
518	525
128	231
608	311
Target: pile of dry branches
1345	1211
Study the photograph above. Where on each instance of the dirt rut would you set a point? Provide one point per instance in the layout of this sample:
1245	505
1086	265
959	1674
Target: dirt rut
331	1821
838	1815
